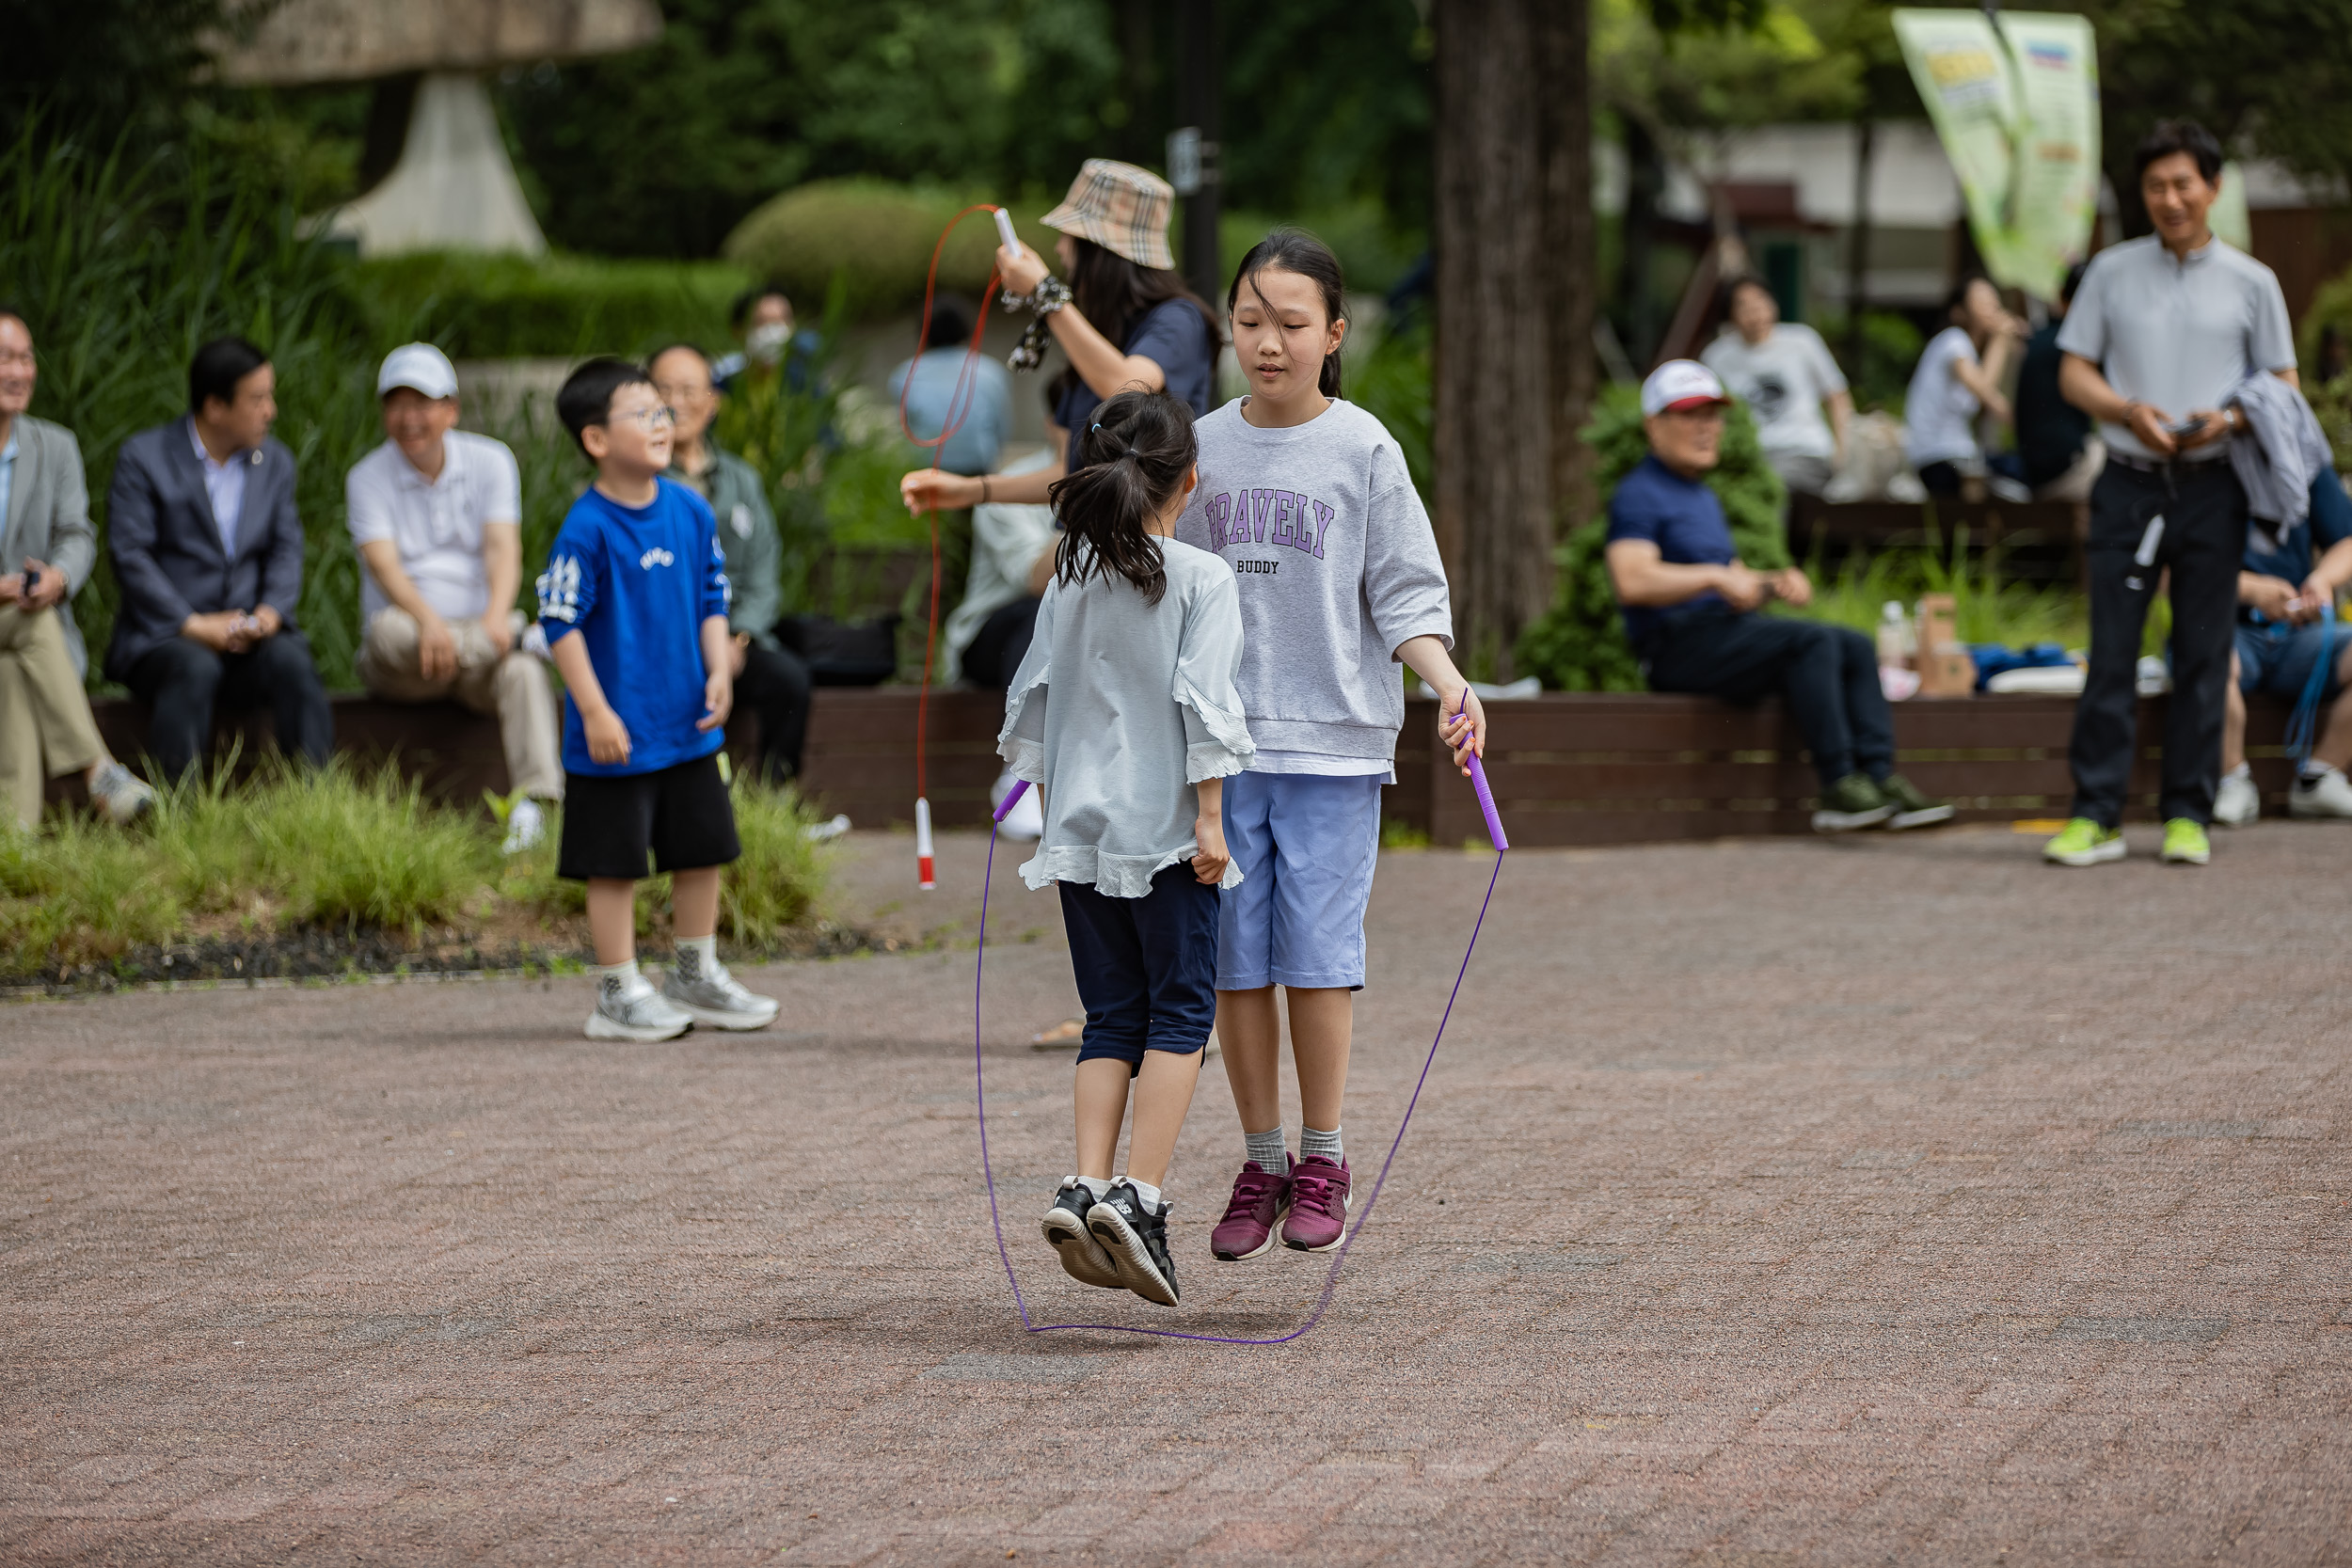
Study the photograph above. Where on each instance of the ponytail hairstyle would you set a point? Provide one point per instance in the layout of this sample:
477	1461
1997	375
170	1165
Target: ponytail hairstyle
1127	466
1295	250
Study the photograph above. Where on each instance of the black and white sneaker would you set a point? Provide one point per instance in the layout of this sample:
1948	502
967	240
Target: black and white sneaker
1136	1236
1065	1225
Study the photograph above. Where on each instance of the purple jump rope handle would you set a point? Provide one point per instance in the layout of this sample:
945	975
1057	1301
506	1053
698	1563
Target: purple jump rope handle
1485	796
1021	787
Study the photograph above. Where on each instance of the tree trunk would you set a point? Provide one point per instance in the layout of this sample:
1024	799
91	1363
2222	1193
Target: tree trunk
1564	52
1645	181
1494	414
1858	247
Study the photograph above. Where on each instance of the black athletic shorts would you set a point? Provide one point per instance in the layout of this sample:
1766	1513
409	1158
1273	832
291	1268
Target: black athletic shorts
681	814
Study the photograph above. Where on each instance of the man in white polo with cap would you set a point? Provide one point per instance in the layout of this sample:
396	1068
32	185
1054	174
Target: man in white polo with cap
1690	611
436	514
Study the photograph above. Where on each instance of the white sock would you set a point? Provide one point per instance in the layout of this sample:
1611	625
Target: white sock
1268	1149
1147	1192
2314	770
698	955
1099	1185
625	973
2243	771
1325	1144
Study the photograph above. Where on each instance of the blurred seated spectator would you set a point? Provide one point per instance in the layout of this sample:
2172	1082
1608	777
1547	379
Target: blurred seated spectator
2281	636
436	513
207	551
762	319
946	385
988	635
1690	611
47	548
771	682
1959	376
2059	457
1785	376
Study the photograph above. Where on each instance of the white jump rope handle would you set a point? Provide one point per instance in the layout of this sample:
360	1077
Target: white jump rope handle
924	875
1004	230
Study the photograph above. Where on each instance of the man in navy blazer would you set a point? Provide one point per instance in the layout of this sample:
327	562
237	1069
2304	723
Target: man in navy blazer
208	550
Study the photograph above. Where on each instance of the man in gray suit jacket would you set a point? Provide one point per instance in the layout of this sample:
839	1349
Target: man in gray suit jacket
47	548
208	550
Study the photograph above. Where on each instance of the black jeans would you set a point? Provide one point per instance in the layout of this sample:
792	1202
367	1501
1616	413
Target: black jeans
2202	540
994	655
182	682
773	688
1828	675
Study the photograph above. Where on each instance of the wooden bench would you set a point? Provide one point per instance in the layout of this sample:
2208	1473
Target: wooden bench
1568	768
2033	541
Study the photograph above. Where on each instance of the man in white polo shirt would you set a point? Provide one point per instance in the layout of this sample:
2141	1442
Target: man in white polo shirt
2161	331
436	514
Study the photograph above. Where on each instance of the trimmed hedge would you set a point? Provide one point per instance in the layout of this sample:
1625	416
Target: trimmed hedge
479	306
877	238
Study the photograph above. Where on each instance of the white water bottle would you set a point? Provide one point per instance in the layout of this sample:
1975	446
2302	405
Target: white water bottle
1894	633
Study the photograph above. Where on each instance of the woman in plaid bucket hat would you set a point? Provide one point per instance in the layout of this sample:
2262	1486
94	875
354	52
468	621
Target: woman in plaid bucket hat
1124	319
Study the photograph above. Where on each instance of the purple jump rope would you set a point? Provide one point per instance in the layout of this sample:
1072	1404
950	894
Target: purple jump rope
1339	1260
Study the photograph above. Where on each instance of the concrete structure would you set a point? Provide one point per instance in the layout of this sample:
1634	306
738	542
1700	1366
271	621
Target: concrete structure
454	187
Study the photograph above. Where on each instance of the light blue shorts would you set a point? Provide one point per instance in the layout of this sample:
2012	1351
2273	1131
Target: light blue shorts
1306	846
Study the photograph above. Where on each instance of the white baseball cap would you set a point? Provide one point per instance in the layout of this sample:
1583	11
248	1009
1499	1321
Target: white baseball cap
419	367
1680	384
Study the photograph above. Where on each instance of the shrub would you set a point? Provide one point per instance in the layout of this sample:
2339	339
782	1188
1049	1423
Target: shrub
82	892
477	306
341	850
775	883
1580	645
876	238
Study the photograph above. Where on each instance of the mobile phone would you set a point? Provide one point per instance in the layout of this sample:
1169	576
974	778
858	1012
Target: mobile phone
2185	427
32	582
1004	230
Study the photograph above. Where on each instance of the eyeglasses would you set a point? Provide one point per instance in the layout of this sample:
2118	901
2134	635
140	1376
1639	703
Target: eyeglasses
652	418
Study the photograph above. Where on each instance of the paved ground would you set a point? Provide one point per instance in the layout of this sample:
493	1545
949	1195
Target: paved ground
1891	1201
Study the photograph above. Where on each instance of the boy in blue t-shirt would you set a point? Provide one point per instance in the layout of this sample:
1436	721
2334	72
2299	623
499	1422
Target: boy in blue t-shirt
634	605
2281	636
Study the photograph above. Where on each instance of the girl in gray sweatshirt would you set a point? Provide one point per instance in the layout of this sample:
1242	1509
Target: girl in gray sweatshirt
1308	499
1124	714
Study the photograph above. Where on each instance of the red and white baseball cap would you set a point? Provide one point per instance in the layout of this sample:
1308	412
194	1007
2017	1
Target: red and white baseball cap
1680	384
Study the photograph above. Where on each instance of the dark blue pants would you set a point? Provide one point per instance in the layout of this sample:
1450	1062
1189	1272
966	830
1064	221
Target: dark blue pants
1146	967
1828	675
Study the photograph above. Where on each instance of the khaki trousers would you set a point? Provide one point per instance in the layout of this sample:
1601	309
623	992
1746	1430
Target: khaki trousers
46	730
511	685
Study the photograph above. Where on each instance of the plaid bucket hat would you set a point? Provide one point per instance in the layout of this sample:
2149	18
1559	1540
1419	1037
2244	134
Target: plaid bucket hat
1119	207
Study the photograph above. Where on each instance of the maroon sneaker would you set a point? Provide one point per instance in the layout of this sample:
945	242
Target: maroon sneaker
1255	1209
1318	1217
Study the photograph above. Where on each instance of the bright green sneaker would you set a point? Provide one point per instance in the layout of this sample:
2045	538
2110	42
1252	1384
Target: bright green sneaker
2083	842
2185	844
1853	801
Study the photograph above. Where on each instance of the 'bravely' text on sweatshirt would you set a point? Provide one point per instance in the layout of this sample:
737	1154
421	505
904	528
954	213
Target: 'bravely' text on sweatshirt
1337	566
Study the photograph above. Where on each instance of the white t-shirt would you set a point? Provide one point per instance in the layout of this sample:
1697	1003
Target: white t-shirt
436	526
1784	380
1939	412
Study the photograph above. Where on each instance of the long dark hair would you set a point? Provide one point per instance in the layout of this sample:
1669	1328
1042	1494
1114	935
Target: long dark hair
1114	293
1295	250
1131	461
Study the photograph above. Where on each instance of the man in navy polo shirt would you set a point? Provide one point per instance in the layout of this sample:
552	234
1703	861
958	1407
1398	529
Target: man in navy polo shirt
1690	612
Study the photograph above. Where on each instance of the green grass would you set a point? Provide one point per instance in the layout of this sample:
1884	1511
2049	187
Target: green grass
344	850
1986	610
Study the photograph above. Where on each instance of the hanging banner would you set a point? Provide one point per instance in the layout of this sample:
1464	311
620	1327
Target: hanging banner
2017	111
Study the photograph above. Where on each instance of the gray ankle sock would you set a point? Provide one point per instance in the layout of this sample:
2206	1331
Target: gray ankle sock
1269	1150
1325	1143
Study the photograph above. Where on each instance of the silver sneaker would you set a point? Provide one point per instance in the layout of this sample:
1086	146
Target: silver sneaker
2329	795
711	995
639	1012
2236	804
121	793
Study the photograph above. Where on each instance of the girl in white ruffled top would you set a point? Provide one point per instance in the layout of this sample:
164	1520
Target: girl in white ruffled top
1125	717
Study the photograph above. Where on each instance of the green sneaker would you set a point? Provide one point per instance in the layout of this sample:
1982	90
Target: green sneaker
1911	809
2083	842
1853	801
2184	843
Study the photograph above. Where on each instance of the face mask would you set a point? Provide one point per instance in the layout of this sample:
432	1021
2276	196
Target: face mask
765	343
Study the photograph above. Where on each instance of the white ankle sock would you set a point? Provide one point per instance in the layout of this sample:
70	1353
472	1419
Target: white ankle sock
2243	771
1268	1149
1147	1192
1099	1185
706	954
2313	770
1325	1144
624	971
